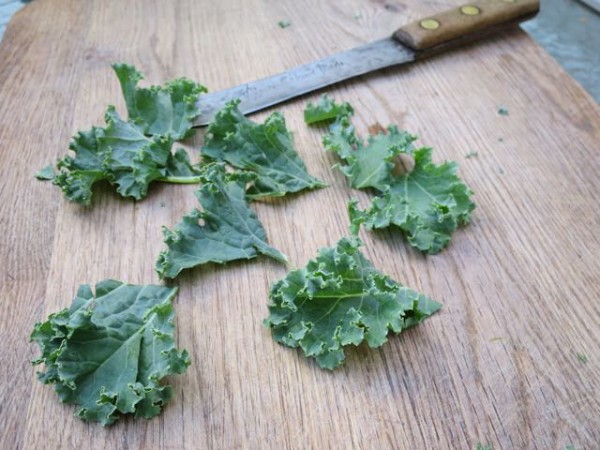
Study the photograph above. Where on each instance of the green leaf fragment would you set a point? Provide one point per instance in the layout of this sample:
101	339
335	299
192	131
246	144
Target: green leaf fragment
46	174
109	352
339	299
481	446
266	149
284	23
427	202
230	229
326	110
165	111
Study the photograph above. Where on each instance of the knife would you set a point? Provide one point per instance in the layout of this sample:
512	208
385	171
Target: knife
414	41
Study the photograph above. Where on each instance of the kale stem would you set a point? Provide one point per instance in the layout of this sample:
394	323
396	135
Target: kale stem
181	180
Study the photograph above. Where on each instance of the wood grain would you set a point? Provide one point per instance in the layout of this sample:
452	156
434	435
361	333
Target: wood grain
520	285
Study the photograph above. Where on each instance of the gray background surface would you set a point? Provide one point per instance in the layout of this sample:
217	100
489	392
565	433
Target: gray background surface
567	29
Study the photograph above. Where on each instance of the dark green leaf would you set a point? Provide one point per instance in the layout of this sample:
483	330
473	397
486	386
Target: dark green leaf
108	353
122	155
266	149
341	299
229	230
165	111
428	202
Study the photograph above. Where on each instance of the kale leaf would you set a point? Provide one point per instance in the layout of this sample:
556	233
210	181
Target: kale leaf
131	154
230	229
427	201
341	299
109	352
165	111
124	156
266	149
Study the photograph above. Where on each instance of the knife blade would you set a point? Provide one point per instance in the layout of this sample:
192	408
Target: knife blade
417	40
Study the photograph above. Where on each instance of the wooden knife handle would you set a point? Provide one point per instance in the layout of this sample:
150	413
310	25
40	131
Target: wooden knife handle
465	23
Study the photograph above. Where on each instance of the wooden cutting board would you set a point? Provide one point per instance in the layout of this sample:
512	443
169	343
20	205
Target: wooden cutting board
501	364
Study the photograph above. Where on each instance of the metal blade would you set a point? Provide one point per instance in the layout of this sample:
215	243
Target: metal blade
260	94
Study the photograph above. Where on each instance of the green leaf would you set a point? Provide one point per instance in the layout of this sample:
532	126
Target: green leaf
166	111
108	353
229	230
341	299
326	110
132	154
427	202
266	149
122	155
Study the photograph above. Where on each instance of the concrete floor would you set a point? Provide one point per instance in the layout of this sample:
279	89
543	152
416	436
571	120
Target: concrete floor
570	32
567	29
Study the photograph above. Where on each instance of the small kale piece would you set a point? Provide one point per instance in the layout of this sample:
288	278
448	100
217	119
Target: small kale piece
266	149
327	109
46	174
109	352
121	154
481	446
341	299
165	111
230	229
427	202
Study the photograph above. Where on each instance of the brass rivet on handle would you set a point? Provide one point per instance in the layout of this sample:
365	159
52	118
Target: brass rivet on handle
470	10
429	24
